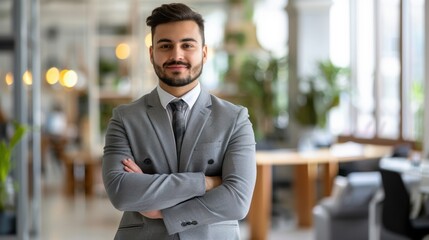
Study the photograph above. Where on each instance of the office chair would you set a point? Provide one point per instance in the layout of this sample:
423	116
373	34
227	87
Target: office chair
396	208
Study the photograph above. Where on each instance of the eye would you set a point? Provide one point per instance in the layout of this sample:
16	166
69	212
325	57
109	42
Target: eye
165	46
187	46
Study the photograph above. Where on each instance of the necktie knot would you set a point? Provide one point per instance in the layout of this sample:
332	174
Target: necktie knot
178	105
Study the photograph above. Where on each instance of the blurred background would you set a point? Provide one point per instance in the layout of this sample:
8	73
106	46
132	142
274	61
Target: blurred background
311	72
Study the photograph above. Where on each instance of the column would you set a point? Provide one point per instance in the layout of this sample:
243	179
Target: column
308	44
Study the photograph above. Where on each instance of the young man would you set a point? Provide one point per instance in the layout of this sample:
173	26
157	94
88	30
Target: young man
170	184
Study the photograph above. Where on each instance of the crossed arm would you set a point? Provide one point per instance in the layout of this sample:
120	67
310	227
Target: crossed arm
131	167
180	196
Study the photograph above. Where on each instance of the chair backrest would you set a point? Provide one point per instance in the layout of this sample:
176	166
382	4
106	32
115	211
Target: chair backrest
396	203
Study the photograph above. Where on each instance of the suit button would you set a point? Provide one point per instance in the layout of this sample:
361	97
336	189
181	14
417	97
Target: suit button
211	161
147	161
194	222
184	224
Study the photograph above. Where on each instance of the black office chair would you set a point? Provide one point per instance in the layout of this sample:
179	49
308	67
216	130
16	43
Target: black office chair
396	208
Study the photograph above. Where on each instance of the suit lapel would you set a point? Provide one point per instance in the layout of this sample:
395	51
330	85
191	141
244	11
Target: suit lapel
199	115
160	123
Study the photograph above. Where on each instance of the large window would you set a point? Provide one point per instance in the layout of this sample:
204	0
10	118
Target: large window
414	69
386	58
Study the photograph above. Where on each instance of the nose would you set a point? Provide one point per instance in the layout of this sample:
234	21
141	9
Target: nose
176	54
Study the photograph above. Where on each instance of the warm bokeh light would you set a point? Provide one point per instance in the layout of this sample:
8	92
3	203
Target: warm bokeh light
52	75
62	73
27	78
9	78
122	51
70	79
148	40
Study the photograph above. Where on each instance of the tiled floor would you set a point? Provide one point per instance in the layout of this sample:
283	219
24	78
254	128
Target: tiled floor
80	218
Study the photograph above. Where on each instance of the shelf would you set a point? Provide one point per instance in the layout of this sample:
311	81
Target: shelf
113	40
114	96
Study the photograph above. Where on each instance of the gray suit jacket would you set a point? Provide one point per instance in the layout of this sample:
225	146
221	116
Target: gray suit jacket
219	141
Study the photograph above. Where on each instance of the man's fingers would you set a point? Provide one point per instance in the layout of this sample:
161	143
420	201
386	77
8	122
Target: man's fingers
128	169
155	214
212	182
131	166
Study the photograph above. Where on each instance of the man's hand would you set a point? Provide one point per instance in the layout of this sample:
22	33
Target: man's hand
155	214
212	182
131	167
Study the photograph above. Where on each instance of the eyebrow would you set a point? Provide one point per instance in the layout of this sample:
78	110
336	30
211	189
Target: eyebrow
162	40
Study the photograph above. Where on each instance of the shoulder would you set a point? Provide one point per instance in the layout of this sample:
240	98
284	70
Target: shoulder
225	107
131	106
141	104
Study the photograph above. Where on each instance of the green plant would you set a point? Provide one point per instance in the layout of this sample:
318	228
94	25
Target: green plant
6	150
106	66
417	99
258	82
319	94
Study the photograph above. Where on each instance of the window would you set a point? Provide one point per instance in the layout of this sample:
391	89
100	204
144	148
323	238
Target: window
385	100
414	69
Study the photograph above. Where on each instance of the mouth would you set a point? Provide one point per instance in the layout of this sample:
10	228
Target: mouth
177	65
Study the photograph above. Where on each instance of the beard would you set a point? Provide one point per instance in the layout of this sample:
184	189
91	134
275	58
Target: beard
175	80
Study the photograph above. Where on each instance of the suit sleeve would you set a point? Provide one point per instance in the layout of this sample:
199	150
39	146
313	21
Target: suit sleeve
229	201
141	192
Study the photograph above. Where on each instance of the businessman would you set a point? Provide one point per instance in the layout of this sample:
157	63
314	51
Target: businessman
179	161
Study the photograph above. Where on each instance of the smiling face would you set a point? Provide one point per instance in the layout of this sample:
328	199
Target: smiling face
178	55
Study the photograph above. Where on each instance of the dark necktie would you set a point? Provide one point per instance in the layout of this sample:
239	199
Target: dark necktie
178	108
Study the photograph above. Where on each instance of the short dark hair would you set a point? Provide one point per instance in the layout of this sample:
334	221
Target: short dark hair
174	12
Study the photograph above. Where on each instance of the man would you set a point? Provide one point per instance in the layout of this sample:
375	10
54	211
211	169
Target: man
170	184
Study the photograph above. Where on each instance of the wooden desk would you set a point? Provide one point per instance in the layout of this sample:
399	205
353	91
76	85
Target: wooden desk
305	174
87	164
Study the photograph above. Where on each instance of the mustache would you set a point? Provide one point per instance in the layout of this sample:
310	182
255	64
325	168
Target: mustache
176	63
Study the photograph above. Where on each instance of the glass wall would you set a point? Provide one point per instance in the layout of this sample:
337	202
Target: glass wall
386	64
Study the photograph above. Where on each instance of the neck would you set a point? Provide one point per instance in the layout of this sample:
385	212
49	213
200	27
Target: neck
178	91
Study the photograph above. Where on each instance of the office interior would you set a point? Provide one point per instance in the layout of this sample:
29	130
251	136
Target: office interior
314	74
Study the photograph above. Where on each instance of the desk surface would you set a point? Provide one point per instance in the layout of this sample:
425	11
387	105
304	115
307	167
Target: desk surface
408	168
305	175
337	153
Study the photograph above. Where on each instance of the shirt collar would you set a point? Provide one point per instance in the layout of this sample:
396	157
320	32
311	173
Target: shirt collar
190	97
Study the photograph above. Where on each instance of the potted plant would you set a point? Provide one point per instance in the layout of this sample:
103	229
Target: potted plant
7	192
317	96
258	82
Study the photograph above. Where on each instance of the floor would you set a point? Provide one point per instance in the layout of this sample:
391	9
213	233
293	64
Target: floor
79	217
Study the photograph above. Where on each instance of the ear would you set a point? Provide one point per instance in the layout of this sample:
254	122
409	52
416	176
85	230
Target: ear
151	54
204	53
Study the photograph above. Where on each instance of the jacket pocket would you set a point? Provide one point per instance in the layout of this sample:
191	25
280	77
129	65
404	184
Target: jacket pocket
131	231
131	226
